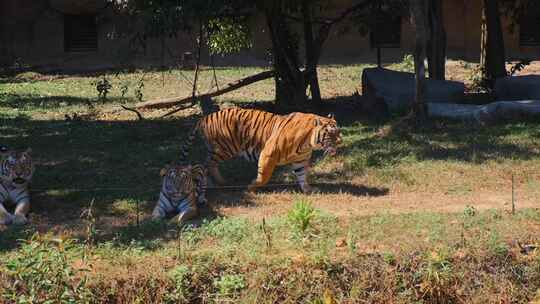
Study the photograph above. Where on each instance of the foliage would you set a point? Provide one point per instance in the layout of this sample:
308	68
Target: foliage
229	284
227	36
301	216
41	271
103	87
406	64
437	277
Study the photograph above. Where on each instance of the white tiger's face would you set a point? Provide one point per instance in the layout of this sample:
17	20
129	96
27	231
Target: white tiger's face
17	168
177	180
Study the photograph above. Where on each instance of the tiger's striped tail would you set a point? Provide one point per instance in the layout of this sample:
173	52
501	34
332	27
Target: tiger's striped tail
184	150
208	106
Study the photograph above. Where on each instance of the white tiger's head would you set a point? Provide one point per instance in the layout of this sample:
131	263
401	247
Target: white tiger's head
17	167
327	135
178	180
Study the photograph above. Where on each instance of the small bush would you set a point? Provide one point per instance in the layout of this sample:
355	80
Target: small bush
41	272
227	229
301	216
407	64
229	284
179	275
437	277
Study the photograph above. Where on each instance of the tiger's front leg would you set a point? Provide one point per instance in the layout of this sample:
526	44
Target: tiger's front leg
267	164
300	170
22	209
187	210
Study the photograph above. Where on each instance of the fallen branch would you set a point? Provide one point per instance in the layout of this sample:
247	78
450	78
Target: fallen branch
139	115
175	101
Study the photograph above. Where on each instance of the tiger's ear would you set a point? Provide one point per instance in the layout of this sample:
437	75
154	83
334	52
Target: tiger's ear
331	116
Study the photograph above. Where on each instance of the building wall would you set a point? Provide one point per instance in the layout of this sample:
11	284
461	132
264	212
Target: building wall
34	32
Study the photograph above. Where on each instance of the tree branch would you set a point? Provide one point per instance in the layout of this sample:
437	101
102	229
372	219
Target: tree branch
175	101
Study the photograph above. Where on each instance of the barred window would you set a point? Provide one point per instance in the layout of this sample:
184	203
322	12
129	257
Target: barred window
80	33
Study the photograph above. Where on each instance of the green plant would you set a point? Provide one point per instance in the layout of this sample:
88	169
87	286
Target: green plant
227	229
103	87
437	276
179	275
41	272
139	90
301	216
229	284
407	64
469	211
389	258
496	245
476	77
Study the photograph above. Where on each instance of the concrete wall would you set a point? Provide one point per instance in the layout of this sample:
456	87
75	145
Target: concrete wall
34	32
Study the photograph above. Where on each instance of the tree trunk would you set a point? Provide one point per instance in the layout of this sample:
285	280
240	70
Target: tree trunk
436	48
311	54
290	81
419	15
492	55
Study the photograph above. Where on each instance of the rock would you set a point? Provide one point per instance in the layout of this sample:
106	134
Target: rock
396	89
518	88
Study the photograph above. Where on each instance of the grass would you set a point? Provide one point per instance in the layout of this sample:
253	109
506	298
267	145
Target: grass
408	217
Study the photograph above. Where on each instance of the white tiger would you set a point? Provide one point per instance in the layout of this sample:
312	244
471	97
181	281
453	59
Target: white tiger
183	190
16	171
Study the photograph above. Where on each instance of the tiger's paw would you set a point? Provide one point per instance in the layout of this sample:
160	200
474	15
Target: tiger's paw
20	219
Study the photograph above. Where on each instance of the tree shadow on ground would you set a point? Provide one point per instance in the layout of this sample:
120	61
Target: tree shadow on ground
29	101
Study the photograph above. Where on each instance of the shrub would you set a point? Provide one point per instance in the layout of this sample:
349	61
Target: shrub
229	284
41	271
301	216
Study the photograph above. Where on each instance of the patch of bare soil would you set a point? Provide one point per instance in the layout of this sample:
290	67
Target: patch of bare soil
346	205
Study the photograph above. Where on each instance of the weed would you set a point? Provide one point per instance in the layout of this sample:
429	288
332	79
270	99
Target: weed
41	271
103	87
496	245
229	284
352	238
179	275
469	211
437	277
227	229
301	216
407	64
389	258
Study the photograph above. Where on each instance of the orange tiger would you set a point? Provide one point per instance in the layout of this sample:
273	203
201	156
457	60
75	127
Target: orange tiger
270	139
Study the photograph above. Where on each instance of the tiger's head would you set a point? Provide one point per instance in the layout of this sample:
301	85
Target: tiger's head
177	180
326	135
17	167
